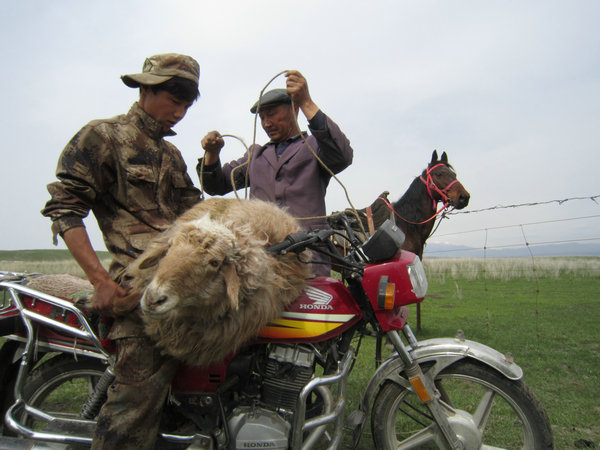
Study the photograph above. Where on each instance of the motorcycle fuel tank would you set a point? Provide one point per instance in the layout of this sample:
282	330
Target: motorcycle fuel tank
325	308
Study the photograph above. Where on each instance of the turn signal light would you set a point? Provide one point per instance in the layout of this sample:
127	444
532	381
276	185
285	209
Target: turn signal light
386	293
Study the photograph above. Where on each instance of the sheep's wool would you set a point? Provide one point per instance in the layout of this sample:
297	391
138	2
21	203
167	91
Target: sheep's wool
212	260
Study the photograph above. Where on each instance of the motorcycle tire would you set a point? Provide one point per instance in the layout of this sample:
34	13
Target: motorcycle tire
507	412
61	386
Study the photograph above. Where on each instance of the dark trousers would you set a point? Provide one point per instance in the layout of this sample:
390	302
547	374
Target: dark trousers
131	415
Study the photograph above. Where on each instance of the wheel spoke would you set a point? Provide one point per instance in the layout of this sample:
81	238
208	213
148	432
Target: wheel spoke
422	437
481	406
484	409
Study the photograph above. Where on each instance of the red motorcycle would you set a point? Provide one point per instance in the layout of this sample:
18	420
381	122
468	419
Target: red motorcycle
287	388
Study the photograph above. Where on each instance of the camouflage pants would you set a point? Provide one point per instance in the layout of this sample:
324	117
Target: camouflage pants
131	415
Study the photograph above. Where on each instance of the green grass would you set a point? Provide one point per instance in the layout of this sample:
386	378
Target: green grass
37	256
549	322
44	261
544	311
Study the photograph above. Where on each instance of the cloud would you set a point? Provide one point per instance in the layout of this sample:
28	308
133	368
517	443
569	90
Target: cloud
509	89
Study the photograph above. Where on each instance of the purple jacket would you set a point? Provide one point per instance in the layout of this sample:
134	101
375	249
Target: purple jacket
296	181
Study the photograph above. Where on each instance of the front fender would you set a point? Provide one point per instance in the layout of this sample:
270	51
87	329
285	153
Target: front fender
445	351
442	352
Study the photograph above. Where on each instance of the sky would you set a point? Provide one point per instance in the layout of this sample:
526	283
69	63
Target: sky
509	89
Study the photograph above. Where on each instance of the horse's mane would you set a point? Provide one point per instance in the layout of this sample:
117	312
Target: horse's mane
410	206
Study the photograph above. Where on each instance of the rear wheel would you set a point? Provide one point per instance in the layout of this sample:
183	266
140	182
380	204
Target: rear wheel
60	387
491	412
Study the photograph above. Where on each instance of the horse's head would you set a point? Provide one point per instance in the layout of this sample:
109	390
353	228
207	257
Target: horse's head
441	182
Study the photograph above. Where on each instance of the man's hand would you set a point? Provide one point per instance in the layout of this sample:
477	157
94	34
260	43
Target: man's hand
297	87
213	142
105	289
105	292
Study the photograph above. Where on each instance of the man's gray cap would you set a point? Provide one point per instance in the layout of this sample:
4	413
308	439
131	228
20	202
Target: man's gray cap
271	98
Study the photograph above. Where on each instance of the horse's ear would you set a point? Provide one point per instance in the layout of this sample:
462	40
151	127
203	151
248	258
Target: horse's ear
444	158
434	157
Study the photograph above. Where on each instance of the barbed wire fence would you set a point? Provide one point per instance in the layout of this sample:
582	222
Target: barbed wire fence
484	267
521	226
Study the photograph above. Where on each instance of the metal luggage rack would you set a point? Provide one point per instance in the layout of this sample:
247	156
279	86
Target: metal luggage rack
81	332
14	295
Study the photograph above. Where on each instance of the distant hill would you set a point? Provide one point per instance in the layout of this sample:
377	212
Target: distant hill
460	251
432	250
39	255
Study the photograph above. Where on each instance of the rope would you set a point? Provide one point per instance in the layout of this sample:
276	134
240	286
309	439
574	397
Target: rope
232	175
444	207
250	152
232	172
354	211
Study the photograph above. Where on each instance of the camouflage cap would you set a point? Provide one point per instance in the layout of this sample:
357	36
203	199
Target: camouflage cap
160	68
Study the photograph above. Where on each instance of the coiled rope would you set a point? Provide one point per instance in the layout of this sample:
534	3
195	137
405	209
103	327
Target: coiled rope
250	152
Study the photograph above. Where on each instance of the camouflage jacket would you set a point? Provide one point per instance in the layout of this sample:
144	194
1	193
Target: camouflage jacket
134	182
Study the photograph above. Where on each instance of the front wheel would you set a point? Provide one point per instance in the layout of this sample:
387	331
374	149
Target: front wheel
490	411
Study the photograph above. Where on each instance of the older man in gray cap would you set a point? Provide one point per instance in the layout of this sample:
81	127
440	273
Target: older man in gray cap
284	170
136	183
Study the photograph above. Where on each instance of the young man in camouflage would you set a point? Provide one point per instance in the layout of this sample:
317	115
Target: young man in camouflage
135	183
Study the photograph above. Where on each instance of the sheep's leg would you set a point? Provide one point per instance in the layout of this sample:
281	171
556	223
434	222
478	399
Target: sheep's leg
123	305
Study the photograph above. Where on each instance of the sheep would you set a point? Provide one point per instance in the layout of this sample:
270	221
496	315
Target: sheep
208	285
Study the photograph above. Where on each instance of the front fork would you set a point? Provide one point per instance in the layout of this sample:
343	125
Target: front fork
424	386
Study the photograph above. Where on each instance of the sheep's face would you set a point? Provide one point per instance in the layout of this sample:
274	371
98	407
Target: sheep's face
197	267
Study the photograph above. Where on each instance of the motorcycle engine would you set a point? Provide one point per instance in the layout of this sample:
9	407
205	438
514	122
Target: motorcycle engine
287	370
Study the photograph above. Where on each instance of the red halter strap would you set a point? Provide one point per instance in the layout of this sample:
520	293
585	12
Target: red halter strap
430	184
443	208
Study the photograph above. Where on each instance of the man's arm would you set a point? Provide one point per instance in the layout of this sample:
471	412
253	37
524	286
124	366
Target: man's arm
105	289
334	147
212	143
216	178
297	88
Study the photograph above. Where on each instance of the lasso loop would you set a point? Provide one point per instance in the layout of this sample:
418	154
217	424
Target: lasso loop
250	152
201	174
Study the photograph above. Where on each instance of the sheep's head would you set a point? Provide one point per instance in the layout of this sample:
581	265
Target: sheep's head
196	266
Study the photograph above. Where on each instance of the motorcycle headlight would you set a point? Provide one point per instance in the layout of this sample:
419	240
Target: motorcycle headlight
416	272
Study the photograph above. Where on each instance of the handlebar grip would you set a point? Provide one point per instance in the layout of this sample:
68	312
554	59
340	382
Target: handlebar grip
277	248
290	240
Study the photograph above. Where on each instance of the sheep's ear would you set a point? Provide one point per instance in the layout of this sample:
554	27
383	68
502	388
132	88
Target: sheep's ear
153	257
232	282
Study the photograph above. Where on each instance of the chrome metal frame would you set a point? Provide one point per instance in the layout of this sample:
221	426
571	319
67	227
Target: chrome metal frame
316	427
334	411
83	331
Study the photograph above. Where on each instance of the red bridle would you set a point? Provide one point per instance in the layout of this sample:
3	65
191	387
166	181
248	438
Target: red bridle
430	184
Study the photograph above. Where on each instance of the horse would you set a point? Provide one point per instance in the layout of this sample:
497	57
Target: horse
416	211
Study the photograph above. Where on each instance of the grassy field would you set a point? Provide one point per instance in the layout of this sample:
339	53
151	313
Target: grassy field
43	261
545	311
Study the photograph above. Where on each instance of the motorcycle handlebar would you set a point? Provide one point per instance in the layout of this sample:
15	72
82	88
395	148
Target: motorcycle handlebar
299	241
